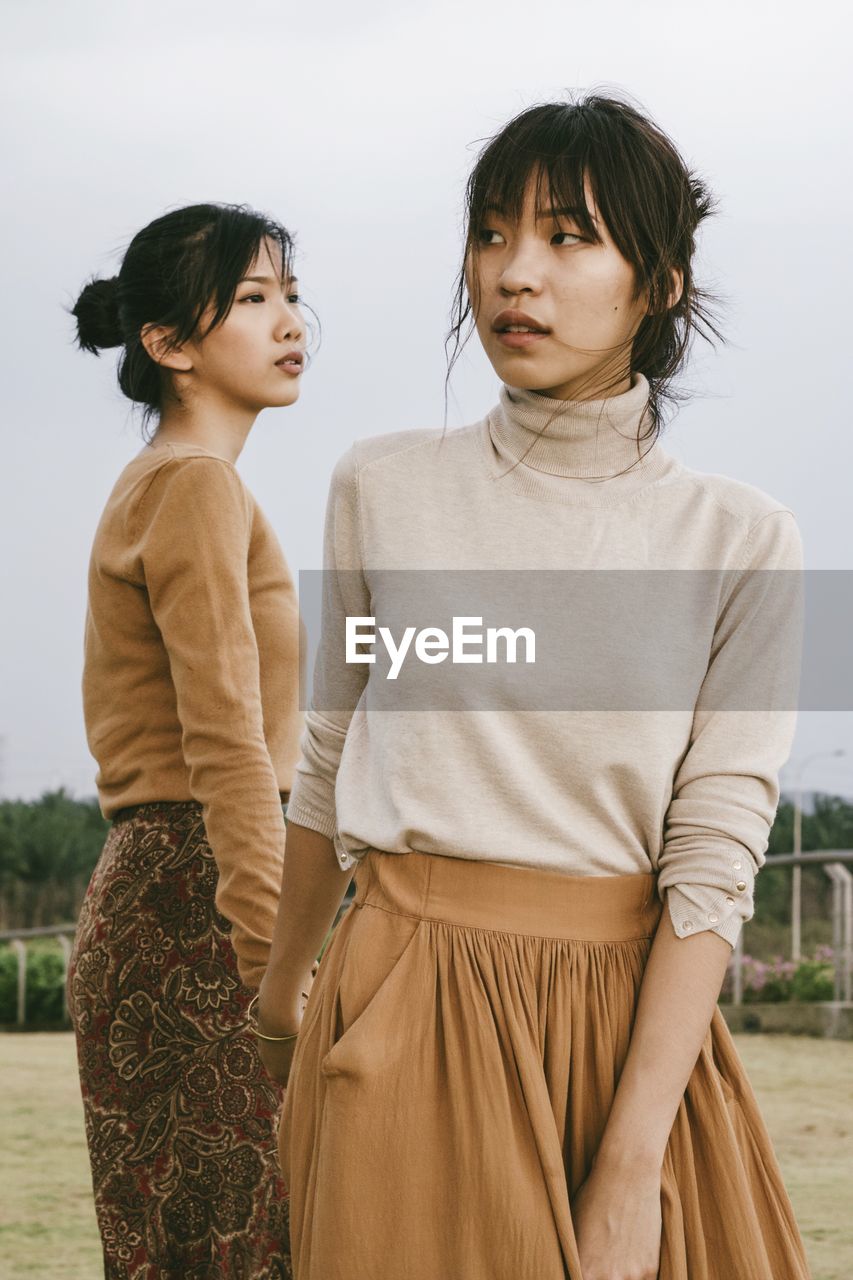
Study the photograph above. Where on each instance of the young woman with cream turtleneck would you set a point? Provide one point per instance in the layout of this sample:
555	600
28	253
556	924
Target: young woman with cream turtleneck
512	1065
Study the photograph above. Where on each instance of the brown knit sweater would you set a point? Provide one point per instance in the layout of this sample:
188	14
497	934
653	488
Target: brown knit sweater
190	683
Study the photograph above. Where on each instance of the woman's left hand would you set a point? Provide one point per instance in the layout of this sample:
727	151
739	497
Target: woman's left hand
617	1220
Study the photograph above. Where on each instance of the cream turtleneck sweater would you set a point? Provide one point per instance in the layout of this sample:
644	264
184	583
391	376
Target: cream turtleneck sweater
688	787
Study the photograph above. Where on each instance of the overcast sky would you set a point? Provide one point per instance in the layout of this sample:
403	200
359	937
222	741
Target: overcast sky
356	126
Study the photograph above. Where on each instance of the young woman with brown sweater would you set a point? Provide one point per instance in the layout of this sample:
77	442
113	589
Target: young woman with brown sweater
190	690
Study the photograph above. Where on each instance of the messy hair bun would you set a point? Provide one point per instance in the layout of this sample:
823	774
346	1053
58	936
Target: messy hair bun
97	314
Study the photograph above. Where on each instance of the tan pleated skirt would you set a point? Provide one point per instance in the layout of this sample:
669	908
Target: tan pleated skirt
454	1072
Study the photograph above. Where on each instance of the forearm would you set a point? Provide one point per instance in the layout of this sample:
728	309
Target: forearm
312	888
242	811
678	994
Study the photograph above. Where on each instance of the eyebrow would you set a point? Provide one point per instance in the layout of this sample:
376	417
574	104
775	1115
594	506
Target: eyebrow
566	211
268	280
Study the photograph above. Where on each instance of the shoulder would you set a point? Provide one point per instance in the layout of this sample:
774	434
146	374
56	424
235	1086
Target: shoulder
187	485
743	502
399	451
765	527
192	470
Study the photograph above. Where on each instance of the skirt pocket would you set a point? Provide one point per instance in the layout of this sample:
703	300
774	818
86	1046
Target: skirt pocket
372	970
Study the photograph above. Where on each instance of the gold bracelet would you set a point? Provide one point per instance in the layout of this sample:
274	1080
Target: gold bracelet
253	1026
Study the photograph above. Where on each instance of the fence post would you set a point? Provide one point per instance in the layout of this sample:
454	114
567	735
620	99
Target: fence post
832	870
21	952
847	888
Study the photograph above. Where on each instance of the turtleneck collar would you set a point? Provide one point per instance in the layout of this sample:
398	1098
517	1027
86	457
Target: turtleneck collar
583	450
590	438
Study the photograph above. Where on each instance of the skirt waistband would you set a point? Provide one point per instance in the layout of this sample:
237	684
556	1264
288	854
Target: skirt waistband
150	807
494	895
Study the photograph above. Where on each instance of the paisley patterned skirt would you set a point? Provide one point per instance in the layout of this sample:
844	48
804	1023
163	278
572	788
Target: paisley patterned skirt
181	1117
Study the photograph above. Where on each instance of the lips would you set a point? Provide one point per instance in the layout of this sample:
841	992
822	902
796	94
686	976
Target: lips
517	331
514	321
291	361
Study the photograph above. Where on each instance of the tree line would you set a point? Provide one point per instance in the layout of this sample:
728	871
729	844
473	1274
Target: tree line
49	847
48	850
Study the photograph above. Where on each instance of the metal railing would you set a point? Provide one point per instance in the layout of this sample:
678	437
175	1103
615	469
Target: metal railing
832	860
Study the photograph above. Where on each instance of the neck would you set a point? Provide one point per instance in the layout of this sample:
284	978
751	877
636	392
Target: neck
218	427
583	389
589	439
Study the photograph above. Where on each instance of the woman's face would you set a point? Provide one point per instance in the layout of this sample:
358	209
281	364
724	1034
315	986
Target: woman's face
555	311
254	359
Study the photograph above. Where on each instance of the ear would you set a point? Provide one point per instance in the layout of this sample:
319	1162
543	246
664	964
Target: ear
676	287
155	340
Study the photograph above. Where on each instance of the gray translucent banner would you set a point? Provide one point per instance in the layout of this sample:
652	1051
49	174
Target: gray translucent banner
582	640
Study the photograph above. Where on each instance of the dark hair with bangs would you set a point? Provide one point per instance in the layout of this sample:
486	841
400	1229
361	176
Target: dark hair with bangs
172	270
651	203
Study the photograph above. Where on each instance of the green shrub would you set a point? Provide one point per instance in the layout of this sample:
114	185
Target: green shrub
8	985
813	981
44	986
777	980
45	982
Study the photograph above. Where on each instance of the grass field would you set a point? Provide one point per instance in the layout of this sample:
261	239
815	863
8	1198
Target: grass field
47	1223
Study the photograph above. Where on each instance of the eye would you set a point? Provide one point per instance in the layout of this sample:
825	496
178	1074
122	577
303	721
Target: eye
567	237
253	297
486	233
294	299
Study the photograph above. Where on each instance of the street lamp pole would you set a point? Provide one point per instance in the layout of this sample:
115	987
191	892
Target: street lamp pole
796	877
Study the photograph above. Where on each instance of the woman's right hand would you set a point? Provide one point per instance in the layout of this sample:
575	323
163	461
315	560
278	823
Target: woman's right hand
277	1057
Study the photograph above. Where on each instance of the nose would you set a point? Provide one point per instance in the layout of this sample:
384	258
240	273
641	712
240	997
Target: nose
521	270
289	323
